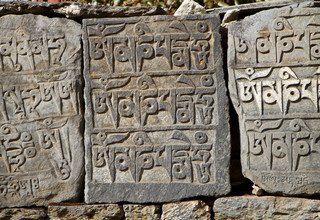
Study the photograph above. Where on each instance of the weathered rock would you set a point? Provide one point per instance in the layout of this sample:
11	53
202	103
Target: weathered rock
252	8
156	119
190	7
83	212
23	213
266	207
273	81
147	212
189	210
75	10
41	149
230	15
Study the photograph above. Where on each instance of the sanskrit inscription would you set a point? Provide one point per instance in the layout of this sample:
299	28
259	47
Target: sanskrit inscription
40	141
155	109
274	69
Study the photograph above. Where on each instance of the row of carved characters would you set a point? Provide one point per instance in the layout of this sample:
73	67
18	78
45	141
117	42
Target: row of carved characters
291	178
29	48
270	142
16	147
181	49
185	104
145	81
280	46
181	159
18	187
253	86
23	102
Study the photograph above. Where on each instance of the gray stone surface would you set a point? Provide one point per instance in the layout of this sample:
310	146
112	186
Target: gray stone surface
145	212
190	7
266	207
251	8
75	10
84	212
274	59
188	210
156	109
41	149
23	213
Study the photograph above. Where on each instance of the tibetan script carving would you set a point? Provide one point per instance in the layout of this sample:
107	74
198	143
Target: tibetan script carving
40	69
275	87
156	110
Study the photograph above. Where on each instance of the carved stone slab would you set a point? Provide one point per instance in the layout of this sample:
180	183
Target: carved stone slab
156	110
41	150
274	59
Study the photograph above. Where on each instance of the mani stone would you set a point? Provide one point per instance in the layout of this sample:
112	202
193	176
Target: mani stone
268	207
156	109
273	60
188	210
41	150
85	212
145	212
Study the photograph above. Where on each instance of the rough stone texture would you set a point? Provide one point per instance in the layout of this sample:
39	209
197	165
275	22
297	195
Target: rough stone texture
145	212
246	9
84	212
189	7
41	150
230	15
156	109
268	207
189	210
75	10
273	82
23	213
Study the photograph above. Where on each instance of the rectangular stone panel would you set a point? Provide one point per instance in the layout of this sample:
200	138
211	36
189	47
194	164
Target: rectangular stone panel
41	149
273	60
156	109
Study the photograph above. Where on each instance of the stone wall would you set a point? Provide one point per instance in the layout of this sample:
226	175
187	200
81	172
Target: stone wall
124	113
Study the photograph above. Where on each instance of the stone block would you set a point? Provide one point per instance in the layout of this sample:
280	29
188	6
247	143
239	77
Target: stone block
84	212
23	213
188	210
41	144
273	61
75	10
252	8
266	207
156	109
146	212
